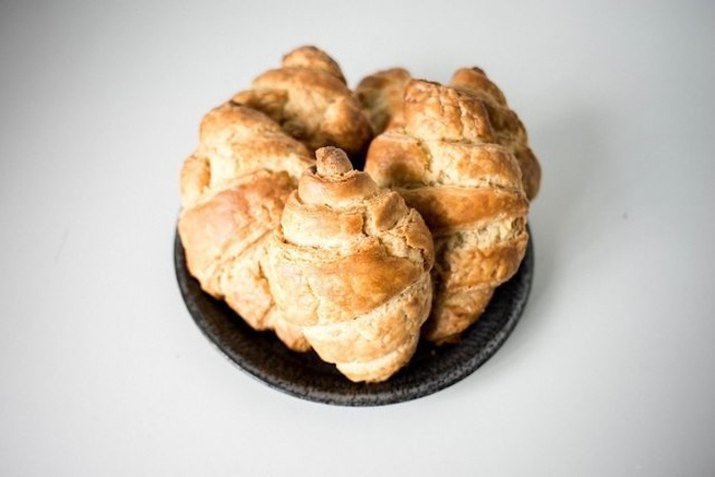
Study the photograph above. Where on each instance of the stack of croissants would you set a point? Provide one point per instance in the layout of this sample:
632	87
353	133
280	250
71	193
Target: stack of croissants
358	265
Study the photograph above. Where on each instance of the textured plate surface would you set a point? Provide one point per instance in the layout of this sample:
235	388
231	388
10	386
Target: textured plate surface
304	375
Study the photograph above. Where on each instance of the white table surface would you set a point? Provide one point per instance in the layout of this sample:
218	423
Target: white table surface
611	370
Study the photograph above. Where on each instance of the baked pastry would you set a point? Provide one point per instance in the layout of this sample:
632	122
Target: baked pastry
350	264
233	188
309	98
507	126
381	95
446	163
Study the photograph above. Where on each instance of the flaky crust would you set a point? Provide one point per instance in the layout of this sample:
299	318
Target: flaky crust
350	265
509	130
309	98
382	94
233	190
446	162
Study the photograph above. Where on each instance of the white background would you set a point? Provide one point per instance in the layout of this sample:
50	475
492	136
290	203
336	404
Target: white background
611	370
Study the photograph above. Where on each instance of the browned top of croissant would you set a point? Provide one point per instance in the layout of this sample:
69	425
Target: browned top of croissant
447	141
382	97
381	94
234	141
234	185
362	244
309	98
510	131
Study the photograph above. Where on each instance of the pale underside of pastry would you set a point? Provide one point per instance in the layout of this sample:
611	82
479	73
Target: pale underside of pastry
309	98
233	189
350	265
446	162
382	93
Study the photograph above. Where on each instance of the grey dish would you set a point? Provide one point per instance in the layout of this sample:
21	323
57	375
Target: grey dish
304	375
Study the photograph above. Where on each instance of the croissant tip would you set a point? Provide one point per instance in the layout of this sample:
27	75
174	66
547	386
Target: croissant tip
302	50
332	161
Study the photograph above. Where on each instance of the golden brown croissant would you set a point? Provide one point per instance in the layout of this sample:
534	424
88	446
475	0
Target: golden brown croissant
309	98
233	189
381	95
350	265
508	128
446	163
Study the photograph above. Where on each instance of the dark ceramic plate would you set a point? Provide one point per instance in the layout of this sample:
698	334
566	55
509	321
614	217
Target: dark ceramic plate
305	376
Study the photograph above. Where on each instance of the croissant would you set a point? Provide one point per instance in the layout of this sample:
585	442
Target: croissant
446	163
350	265
381	95
309	98
508	128
233	189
